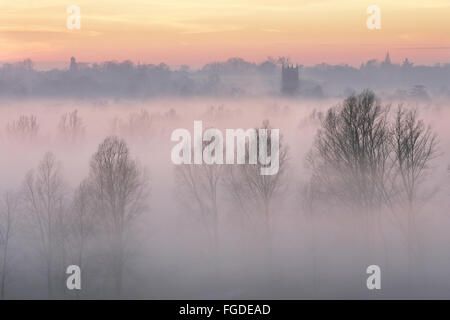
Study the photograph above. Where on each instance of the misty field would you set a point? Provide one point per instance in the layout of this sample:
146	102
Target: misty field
146	228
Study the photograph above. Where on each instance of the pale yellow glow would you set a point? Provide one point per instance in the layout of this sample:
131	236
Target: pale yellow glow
201	31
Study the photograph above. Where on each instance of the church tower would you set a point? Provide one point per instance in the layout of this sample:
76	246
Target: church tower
387	60
289	79
73	64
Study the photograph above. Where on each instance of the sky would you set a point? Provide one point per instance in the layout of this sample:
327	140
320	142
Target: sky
197	32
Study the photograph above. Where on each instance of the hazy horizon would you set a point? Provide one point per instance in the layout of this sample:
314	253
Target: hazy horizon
63	64
350	101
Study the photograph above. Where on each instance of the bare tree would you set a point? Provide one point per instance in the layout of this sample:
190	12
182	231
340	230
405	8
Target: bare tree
82	220
71	127
8	212
25	128
307	201
44	200
119	190
415	145
350	157
82	229
253	192
199	184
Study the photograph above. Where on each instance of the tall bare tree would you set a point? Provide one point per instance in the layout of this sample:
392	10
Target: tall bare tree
350	159
119	191
199	184
81	221
414	145
8	212
253	192
44	201
82	229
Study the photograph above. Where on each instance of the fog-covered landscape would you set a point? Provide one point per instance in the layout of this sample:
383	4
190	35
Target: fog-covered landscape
87	179
223	158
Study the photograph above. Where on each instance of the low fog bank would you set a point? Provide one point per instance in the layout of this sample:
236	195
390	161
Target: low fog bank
313	237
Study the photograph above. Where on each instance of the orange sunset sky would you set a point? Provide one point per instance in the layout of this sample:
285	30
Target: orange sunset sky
201	31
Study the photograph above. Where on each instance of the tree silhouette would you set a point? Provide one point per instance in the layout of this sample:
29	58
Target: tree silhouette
253	193
8	212
414	146
44	199
199	184
119	190
349	159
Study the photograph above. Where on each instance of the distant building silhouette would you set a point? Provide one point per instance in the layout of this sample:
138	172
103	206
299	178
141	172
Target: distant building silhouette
407	64
289	79
73	64
387	63
387	60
